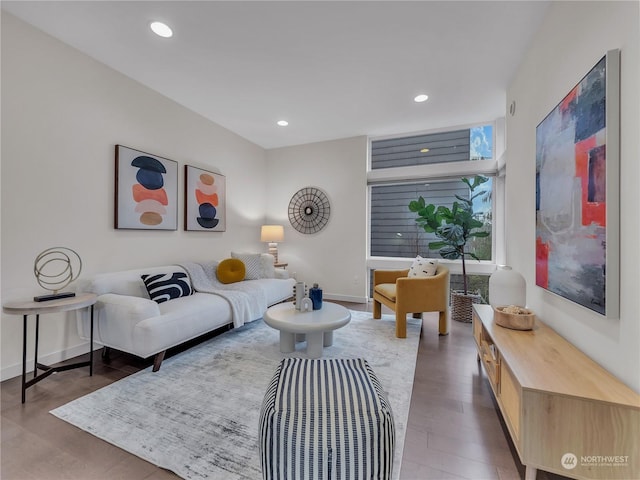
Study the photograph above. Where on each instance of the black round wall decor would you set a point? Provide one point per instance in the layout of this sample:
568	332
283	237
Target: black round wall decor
309	210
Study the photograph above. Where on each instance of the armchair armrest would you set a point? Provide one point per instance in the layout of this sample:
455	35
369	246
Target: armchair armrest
412	287
388	276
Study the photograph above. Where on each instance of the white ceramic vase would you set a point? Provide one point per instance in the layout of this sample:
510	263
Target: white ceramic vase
507	287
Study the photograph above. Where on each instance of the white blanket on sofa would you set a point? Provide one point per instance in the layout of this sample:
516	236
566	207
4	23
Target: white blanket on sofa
248	302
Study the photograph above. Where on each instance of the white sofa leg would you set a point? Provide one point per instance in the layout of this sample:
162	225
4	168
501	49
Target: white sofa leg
158	360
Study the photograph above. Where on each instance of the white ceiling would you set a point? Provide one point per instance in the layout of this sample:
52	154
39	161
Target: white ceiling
332	69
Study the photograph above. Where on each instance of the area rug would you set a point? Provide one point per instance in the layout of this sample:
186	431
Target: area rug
198	416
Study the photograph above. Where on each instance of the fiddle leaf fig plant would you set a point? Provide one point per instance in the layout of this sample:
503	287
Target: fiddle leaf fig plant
453	226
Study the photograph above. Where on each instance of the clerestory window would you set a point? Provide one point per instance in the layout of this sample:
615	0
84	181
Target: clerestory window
463	145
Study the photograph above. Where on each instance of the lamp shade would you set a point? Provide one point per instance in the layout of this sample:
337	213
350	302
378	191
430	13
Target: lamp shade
272	233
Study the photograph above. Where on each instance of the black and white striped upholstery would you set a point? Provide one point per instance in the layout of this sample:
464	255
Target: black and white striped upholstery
326	419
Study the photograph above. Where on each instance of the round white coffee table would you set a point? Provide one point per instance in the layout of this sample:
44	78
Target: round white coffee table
316	325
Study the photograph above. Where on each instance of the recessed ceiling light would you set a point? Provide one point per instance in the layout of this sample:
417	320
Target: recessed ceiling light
421	98
424	150
283	123
161	29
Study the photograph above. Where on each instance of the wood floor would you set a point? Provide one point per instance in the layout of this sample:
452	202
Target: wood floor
453	431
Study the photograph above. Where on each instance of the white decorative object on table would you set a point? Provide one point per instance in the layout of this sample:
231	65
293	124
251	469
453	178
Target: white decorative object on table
507	287
299	292
306	305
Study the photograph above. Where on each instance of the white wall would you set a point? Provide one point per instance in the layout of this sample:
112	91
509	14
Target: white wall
573	37
334	257
62	115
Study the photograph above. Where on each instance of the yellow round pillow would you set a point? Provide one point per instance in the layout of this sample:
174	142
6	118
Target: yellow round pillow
231	270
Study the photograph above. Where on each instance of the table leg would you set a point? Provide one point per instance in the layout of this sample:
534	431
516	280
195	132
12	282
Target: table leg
328	338
24	357
91	346
35	354
315	341
287	342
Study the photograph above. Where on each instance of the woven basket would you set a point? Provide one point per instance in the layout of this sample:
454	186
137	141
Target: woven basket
461	305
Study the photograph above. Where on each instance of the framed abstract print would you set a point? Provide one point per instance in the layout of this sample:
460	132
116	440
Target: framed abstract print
146	191
577	192
205	200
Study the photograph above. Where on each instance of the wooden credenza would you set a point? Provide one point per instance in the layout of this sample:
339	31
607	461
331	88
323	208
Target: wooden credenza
565	413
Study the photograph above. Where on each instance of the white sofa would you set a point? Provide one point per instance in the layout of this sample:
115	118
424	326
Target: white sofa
126	319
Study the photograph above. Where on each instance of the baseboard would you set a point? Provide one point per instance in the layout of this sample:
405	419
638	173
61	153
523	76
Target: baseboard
15	370
345	298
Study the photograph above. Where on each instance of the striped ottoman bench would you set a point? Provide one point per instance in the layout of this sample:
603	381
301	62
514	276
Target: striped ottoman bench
326	419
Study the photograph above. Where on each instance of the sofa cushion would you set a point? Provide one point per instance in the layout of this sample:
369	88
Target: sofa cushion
276	290
231	270
423	267
163	287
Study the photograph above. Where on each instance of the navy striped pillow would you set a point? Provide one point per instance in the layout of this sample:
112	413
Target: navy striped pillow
163	287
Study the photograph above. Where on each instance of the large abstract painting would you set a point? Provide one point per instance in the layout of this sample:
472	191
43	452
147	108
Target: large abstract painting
205	198
577	197
146	191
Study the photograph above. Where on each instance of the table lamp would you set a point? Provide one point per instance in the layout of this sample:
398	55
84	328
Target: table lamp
272	234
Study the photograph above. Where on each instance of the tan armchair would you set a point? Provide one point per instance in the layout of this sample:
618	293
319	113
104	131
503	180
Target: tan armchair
412	295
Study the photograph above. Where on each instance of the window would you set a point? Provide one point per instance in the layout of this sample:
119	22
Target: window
453	146
429	165
394	231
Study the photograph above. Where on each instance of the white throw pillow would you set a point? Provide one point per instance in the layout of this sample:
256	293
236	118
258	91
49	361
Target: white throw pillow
253	264
423	267
268	267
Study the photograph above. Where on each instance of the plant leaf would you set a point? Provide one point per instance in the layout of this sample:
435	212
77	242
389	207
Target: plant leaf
417	205
449	253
